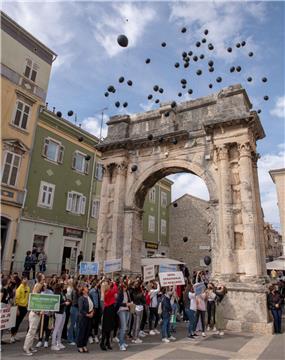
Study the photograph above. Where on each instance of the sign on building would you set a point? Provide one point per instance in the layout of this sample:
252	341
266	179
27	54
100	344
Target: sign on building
71	232
112	266
8	317
199	288
88	268
148	273
150	245
167	268
44	302
171	278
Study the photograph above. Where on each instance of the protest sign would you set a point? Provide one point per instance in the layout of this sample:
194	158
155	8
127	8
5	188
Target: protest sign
167	268
88	268
171	278
148	273
44	302
8	317
112	266
199	288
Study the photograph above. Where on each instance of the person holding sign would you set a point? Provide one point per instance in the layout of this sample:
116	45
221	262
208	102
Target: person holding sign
166	311
122	307
86	313
153	314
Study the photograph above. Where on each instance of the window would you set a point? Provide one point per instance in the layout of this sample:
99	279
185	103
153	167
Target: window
21	116
151	223
31	70
151	195
95	208
163	224
79	162
53	150
39	242
76	203
163	199
149	253
46	195
10	168
99	172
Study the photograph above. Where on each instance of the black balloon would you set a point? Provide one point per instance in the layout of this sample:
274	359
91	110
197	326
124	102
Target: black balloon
202	56
243	43
211	63
161	90
174	141
210	86
250	54
121	79
147	61
190	53
125	104
264	79
211	69
173	104
186	65
150	137
206	32
184	54
258	111
117	104
176	65
122	40
134	167
111	88
166	114
59	114
87	157
238	45
195	58
190	91
149	97
199	72
238	68
232	69
161	138
249	79
175	205
156	87
219	79
70	112
183	81
211	47
187	59
207	260
185	238
163	44
198	44
183	30
106	94
157	101
179	94
229	49
203	40
129	82
80	139
183	86
266	97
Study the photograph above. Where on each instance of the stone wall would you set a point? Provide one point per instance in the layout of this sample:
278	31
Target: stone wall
189	217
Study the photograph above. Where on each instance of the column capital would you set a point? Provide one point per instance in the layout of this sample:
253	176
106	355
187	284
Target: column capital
222	152
245	149
122	168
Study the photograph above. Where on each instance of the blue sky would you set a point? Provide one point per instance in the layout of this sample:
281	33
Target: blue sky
83	34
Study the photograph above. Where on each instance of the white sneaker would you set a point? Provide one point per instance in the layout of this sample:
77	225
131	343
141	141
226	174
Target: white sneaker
12	340
61	346
33	350
152	332
156	331
221	333
96	340
55	348
123	348
142	334
214	329
28	353
39	344
72	343
137	341
125	345
203	334
208	328
165	340
90	340
116	339
46	344
172	338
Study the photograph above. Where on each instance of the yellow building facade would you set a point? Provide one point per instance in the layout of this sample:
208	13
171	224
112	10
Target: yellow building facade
25	70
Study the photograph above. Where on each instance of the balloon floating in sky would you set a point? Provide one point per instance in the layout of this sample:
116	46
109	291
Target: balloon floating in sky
250	54
211	47
243	43
150	137
157	101
232	69
203	40
190	91
238	45
195	58
186	65
199	72
183	30
123	40
238	68
134	167
129	82
206	32
258	111
106	94
207	260
211	69
190	53
176	65
211	63
198	44
219	79
179	94
117	104
156	87
149	97
173	104
70	113
202	56
229	49
266	98
264	79
161	90
125	104
210	86
163	44
121	79
147	61
183	81
249	79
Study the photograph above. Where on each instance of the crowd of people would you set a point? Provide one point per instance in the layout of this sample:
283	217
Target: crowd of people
124	310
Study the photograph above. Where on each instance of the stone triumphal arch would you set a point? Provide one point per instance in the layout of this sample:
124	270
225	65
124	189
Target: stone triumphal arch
215	138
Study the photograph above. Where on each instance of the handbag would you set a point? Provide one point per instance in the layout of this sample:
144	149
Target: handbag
132	308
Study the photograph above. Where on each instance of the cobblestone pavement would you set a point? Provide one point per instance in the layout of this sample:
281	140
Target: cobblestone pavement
213	347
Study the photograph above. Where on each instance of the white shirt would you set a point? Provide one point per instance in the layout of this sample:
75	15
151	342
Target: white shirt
90	304
192	298
153	297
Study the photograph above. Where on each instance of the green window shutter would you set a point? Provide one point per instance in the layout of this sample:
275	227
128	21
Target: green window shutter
45	147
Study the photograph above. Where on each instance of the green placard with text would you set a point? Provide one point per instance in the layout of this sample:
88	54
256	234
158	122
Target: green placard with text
44	302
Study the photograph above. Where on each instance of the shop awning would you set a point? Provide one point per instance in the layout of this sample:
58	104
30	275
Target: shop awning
160	261
278	264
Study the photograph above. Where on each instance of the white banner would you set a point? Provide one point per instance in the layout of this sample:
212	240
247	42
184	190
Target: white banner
8	317
112	265
171	278
148	273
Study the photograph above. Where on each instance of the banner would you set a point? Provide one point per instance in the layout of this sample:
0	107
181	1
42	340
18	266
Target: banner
112	265
148	273
199	288
88	268
167	268
44	302
171	278
8	317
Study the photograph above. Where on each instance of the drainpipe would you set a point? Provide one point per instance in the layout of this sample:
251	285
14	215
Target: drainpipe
158	216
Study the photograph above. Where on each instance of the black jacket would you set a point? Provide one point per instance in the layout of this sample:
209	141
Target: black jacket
120	299
83	306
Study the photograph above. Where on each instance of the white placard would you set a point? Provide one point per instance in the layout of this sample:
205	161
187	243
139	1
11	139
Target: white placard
171	278
8	317
112	265
148	273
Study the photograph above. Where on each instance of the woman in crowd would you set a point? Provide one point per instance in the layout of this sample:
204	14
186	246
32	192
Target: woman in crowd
56	344
122	306
139	301
153	314
85	310
73	295
211	307
109	314
192	313
201	310
166	311
28	264
274	301
220	292
94	294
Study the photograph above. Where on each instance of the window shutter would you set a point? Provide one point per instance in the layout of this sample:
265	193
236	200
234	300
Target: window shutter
69	201
86	166
82	203
60	154
45	148
73	165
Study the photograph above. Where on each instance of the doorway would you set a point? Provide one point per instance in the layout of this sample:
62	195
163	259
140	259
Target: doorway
5	223
69	260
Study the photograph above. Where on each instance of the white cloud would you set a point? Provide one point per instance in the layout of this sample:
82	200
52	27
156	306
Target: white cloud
147	106
279	109
127	18
92	124
188	184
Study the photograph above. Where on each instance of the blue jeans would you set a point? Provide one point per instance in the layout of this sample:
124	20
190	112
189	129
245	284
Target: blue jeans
277	317
73	327
124	318
191	314
165	327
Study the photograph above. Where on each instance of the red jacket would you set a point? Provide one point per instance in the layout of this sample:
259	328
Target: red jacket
110	296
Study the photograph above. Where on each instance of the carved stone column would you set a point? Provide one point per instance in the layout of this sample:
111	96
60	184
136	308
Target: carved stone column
251	262
226	226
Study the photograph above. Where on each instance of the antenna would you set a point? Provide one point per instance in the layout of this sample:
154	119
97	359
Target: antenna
102	119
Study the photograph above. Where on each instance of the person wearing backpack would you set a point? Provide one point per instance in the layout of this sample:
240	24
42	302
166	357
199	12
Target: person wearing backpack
166	311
